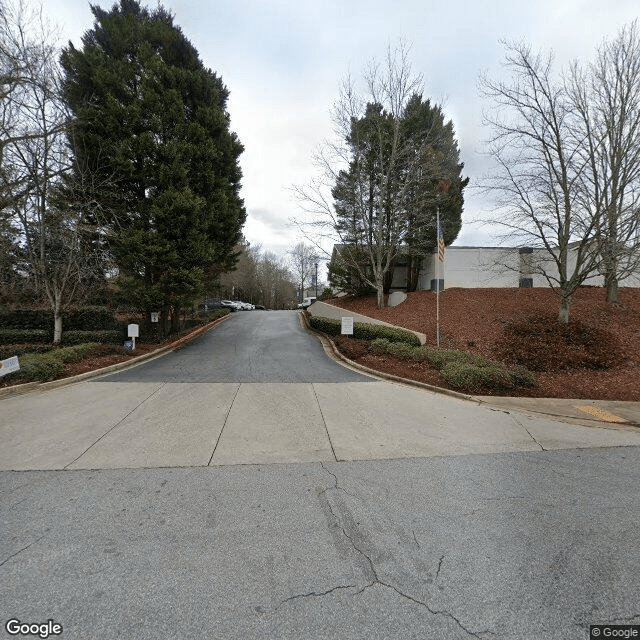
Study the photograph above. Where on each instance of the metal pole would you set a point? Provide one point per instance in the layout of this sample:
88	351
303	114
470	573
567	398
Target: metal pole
438	280
316	279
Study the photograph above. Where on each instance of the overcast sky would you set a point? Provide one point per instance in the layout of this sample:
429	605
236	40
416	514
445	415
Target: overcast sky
282	61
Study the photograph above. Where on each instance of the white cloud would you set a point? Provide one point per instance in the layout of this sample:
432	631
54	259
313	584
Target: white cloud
282	61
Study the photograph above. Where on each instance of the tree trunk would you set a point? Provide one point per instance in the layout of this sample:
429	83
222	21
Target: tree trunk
413	272
380	294
612	289
563	316
57	323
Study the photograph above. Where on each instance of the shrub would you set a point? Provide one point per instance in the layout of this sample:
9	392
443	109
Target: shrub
471	376
365	331
18	336
543	344
41	367
81	337
20	349
438	358
80	318
47	366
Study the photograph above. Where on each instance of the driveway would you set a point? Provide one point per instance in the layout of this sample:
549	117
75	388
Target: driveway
393	513
258	389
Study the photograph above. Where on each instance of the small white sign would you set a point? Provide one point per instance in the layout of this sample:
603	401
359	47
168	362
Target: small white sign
347	326
133	331
155	316
9	365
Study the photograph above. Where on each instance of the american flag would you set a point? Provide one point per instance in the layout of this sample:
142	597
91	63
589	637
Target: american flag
440	243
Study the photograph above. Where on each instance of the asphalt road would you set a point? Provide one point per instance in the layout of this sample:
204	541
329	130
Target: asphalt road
251	347
476	530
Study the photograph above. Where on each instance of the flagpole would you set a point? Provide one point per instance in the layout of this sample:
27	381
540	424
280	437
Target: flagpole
438	282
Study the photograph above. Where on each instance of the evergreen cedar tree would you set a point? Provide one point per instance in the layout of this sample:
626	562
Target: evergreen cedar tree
152	145
424	135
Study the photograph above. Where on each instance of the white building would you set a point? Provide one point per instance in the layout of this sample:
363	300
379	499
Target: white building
478	267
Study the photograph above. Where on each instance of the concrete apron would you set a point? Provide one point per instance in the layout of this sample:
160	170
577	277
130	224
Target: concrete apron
110	425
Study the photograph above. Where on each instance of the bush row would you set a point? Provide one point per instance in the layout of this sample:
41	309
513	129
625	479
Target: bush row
48	366
365	331
18	336
41	336
461	370
83	318
20	349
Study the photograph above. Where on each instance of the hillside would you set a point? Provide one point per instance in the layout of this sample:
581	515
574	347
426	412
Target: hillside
472	320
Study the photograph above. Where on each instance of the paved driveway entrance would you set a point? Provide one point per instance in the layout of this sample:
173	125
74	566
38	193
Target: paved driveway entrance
259	389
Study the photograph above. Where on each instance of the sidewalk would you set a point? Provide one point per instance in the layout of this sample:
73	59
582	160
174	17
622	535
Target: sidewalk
617	414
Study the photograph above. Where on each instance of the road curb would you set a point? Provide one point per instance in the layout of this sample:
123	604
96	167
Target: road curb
29	387
333	352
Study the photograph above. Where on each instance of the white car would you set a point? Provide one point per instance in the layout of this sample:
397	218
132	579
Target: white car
307	302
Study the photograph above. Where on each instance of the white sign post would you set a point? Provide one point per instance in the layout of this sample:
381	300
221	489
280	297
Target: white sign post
9	366
155	316
133	331
347	326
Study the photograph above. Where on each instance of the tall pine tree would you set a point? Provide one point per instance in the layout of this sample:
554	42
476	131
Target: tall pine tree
152	145
387	200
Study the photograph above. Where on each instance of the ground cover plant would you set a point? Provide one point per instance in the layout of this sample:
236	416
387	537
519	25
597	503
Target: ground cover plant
448	367
596	357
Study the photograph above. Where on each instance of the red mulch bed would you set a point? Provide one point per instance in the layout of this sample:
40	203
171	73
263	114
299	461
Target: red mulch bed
472	320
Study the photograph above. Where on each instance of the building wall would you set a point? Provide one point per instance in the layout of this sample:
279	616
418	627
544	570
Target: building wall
477	267
472	267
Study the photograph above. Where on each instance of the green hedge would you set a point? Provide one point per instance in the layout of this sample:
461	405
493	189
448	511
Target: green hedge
81	337
365	331
48	366
81	318
398	349
21	336
20	349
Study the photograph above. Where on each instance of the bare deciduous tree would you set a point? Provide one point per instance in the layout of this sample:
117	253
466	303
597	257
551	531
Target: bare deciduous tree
34	157
539	171
606	96
303	259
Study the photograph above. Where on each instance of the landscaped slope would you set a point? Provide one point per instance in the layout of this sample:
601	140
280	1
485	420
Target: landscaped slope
473	320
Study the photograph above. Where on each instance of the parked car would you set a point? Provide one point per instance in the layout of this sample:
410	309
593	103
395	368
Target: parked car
307	302
229	304
211	304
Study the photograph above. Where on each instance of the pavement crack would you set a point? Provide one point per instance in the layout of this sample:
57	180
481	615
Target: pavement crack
373	576
117	424
226	419
415	539
315	594
435	612
13	555
336	486
527	430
